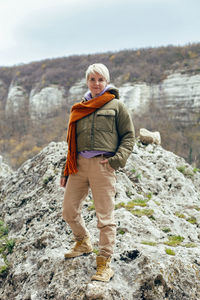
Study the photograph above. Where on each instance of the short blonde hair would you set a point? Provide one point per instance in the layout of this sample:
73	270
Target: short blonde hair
98	68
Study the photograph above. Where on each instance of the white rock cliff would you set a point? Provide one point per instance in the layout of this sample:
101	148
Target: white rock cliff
45	103
179	93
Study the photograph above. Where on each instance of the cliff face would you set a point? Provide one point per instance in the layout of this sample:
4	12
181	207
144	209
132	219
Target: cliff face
179	93
46	102
158	231
40	105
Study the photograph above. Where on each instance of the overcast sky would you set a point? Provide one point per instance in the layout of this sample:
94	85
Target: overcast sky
32	30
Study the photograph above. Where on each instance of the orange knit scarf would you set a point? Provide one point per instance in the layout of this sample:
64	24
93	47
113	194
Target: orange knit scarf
79	111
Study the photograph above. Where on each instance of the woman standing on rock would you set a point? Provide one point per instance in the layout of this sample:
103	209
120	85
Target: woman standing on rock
100	139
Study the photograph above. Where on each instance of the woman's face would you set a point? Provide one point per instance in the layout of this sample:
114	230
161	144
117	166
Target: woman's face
96	84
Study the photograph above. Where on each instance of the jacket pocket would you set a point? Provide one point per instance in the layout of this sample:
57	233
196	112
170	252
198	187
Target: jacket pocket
105	120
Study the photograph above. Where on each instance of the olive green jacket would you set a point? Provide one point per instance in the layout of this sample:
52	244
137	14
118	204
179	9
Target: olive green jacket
109	129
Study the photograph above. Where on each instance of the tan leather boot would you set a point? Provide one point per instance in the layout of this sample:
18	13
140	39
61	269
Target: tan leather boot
80	248
104	272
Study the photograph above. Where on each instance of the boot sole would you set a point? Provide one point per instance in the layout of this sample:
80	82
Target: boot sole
73	256
94	278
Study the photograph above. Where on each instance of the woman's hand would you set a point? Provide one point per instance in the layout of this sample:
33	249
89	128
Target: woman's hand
63	181
104	161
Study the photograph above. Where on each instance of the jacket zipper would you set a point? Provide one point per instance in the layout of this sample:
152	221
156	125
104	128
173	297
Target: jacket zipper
92	133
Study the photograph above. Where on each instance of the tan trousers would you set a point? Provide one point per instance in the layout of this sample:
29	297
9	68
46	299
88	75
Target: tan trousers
101	179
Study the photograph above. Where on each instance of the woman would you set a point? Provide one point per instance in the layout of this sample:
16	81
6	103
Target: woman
100	138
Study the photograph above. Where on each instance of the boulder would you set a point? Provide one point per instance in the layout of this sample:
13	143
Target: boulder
149	137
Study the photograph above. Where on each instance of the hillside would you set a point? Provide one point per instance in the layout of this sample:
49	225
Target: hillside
148	64
35	98
158	231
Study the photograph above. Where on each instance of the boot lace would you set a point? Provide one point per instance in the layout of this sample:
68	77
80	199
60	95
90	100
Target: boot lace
77	245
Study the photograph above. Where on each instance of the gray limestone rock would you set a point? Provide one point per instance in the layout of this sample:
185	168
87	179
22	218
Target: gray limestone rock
178	92
17	100
44	104
149	137
158	231
5	170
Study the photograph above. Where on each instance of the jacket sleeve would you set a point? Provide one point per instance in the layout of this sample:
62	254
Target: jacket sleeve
126	133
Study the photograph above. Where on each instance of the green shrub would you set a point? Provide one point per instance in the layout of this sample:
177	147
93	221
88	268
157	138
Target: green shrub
10	244
131	204
47	180
170	251
4	271
185	171
149	196
197	208
3	229
6	246
166	229
174	240
189	245
121	231
136	202
96	251
92	206
192	220
119	205
157	202
142	212
180	215
128	194
149	243
139	176
181	169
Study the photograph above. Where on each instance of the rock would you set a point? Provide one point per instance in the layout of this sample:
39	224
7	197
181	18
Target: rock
3	90
178	92
2	262
181	94
158	231
136	96
77	91
45	103
148	137
5	170
17	100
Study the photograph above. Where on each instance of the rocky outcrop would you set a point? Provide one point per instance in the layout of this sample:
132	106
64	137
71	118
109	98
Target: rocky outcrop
158	231
149	137
17	100
5	170
45	103
77	91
